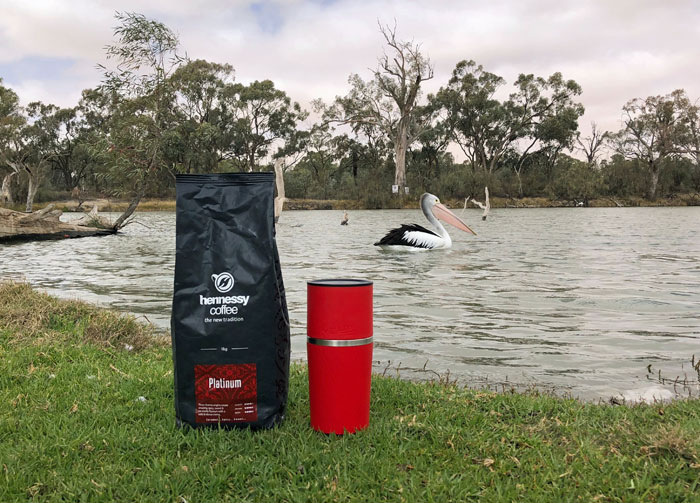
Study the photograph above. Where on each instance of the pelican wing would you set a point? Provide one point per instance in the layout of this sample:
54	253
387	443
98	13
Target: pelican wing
413	235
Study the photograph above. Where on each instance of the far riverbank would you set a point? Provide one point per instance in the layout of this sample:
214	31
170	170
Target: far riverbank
156	204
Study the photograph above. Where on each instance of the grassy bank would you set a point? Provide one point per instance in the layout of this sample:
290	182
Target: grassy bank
86	413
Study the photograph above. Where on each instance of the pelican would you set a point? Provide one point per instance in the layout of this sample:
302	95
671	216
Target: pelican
416	237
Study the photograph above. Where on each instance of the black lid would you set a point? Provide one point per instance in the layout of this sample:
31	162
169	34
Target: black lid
339	282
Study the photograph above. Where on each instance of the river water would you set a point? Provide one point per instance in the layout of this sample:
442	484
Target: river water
580	300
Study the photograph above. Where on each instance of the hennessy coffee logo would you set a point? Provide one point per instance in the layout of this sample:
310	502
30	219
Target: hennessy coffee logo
223	282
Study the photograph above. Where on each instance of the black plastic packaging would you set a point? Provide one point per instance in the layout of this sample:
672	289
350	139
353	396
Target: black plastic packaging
230	328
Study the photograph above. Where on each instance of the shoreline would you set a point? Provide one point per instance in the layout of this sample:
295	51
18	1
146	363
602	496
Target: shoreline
158	204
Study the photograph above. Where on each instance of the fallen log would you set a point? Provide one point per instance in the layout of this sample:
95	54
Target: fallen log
46	224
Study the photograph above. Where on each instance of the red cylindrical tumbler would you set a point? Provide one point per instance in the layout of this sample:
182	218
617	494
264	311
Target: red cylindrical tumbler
339	348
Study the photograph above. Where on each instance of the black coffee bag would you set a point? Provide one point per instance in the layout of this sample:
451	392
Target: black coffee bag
230	329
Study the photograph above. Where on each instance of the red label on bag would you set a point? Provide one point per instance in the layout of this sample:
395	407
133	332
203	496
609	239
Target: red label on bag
226	393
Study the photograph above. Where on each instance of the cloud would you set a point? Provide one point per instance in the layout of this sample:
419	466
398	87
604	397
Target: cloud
35	67
616	50
268	16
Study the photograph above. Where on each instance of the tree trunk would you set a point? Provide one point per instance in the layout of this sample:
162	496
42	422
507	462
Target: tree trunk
279	182
400	148
130	209
6	193
654	180
492	164
590	158
68	178
354	165
31	190
552	161
251	162
520	183
400	175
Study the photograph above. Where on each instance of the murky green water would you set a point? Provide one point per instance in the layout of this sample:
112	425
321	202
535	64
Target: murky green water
582	299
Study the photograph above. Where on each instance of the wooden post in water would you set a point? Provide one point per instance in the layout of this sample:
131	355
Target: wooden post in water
279	182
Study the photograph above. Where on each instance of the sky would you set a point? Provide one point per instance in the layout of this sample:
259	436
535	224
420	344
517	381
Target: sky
616	50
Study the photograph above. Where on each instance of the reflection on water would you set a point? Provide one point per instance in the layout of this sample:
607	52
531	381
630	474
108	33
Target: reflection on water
583	299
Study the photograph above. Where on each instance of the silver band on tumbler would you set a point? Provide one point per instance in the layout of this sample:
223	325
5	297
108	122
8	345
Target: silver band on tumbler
336	343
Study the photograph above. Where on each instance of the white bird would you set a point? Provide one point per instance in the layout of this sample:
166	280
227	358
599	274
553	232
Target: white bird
416	237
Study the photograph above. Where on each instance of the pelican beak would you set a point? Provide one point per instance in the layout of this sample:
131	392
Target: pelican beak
440	211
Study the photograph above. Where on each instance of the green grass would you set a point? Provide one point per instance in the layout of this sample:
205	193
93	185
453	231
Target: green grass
73	427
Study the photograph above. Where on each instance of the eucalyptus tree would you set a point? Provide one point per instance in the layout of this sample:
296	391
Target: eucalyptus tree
592	144
540	117
576	181
688	137
388	102
545	117
96	107
92	154
12	122
477	121
145	55
254	119
49	139
348	152
29	140
43	137
652	129
195	143
359	157
64	128
431	154
321	152
365	146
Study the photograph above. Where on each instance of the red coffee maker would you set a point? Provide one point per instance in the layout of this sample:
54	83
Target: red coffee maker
339	348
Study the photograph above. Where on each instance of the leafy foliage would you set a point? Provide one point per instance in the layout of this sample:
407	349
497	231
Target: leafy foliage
653	132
